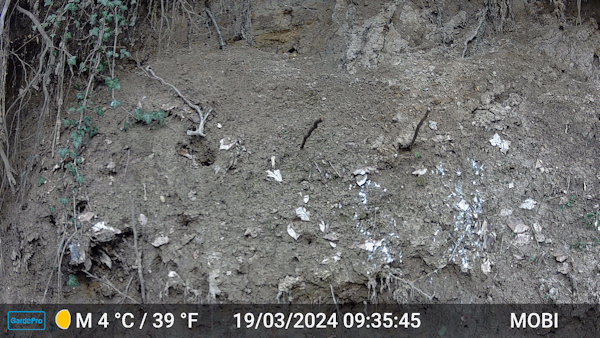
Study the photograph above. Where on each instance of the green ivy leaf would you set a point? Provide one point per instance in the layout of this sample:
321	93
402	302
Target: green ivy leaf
71	7
72	60
112	83
99	111
160	116
76	138
63	152
41	181
81	109
95	31
93	132
87	120
72	281
47	3
147	118
93	18
80	179
64	201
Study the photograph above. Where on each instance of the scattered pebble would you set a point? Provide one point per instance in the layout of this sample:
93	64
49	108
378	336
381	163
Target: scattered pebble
564	268
529	204
361	180
486	267
433	125
160	241
143	219
516	225
252	232
419	172
496	141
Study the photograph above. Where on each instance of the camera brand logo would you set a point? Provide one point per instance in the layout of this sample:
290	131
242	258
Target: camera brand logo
26	320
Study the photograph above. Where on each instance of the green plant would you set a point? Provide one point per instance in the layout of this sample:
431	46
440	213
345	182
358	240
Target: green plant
417	154
41	181
72	281
149	116
569	203
579	245
88	46
64	201
51	209
592	220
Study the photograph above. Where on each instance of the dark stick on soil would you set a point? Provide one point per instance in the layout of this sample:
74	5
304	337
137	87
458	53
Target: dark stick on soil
314	126
410	145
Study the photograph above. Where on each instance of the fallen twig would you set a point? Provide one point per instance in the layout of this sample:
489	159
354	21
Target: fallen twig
138	255
126	165
111	285
336	172
201	114
314	126
410	145
412	285
126	289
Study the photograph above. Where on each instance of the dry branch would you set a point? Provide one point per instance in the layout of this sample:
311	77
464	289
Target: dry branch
214	21
410	145
3	63
201	114
112	286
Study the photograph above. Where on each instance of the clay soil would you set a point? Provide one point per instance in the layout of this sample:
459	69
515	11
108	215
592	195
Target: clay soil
496	202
